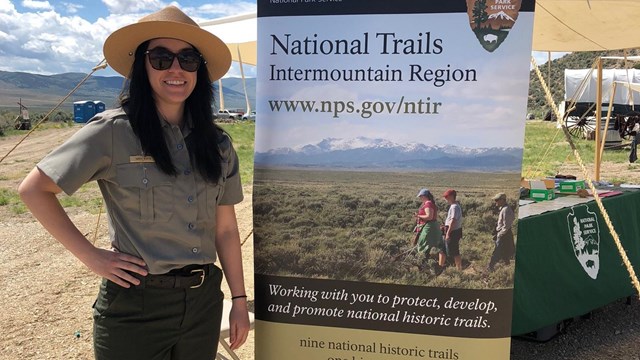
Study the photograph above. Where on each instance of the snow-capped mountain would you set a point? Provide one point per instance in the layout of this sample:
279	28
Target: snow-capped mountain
500	16
366	153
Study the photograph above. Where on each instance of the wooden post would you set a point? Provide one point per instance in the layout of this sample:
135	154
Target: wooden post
606	123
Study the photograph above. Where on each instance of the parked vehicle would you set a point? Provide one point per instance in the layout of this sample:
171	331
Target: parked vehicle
250	116
239	111
228	115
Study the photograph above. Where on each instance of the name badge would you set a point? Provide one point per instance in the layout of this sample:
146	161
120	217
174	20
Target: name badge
140	159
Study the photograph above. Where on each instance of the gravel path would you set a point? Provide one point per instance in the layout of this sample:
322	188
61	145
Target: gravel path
612	332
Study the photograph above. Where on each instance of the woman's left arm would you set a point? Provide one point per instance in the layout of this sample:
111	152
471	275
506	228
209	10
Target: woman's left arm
230	254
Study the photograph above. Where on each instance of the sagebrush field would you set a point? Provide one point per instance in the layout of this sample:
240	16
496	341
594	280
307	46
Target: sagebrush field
358	225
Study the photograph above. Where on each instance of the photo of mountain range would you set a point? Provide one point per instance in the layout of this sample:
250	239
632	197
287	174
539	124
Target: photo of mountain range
362	153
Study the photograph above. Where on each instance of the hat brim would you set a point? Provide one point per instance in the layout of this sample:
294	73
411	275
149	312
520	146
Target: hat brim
120	47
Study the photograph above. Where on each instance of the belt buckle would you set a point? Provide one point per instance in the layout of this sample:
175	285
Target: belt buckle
201	271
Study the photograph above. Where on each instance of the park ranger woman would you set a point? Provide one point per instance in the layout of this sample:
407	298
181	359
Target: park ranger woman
169	178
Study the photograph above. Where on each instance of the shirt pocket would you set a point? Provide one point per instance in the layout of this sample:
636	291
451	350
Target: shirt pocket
215	192
149	189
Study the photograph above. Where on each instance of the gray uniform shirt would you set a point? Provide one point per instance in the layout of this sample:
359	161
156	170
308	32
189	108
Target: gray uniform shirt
167	221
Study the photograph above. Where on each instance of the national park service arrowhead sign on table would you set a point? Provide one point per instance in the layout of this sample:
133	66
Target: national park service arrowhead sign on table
361	104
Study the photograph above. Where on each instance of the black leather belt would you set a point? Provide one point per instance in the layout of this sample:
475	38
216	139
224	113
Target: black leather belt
190	276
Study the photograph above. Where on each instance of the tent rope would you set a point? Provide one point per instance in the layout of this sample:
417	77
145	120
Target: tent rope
585	172
541	6
571	106
542	158
95	231
100	65
246	238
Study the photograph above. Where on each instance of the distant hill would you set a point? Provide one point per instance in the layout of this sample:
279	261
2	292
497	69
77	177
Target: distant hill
42	92
537	103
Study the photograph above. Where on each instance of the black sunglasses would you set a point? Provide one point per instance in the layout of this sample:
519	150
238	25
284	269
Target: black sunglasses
161	59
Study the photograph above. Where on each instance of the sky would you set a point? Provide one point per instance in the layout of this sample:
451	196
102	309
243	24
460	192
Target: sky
59	36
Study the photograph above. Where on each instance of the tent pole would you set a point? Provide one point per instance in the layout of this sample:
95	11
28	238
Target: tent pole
598	120
221	95
244	82
549	77
549	68
606	124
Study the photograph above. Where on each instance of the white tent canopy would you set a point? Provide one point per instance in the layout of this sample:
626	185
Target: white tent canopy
586	25
239	33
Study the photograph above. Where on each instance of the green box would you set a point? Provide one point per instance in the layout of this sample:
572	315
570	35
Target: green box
541	194
571	186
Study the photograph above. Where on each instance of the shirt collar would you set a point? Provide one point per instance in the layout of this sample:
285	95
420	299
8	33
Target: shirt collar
186	127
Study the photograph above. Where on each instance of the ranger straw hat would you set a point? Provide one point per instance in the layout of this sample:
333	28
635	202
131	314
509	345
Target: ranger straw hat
120	47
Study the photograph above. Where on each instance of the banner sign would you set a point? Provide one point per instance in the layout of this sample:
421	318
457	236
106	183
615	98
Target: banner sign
363	105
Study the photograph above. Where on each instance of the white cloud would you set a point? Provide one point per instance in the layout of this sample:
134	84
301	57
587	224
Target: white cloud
6	37
7	7
132	6
212	11
72	8
57	41
48	43
37	5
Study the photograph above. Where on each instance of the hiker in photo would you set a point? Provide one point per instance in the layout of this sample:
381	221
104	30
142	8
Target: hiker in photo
505	247
453	228
428	234
169	178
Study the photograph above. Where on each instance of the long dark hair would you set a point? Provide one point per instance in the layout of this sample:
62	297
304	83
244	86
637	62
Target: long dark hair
138	103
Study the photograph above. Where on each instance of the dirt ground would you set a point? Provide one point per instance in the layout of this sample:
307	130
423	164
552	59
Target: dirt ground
47	293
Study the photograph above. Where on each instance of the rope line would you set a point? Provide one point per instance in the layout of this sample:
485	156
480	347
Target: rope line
570	107
246	238
585	172
543	157
95	232
101	65
538	4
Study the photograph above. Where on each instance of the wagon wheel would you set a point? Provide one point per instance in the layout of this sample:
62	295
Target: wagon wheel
579	126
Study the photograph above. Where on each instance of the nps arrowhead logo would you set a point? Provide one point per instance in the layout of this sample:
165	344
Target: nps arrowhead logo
491	20
585	238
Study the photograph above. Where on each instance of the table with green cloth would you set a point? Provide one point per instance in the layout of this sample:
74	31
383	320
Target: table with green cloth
567	263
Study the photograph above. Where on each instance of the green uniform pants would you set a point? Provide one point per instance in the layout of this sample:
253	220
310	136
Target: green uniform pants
142	323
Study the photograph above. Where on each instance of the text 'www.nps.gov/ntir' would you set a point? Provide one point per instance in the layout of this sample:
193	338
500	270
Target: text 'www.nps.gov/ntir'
365	109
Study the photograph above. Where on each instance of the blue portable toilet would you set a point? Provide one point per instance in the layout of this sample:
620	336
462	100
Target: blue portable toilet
78	111
83	111
99	106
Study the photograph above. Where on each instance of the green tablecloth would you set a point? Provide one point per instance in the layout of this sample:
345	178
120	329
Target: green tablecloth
551	284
